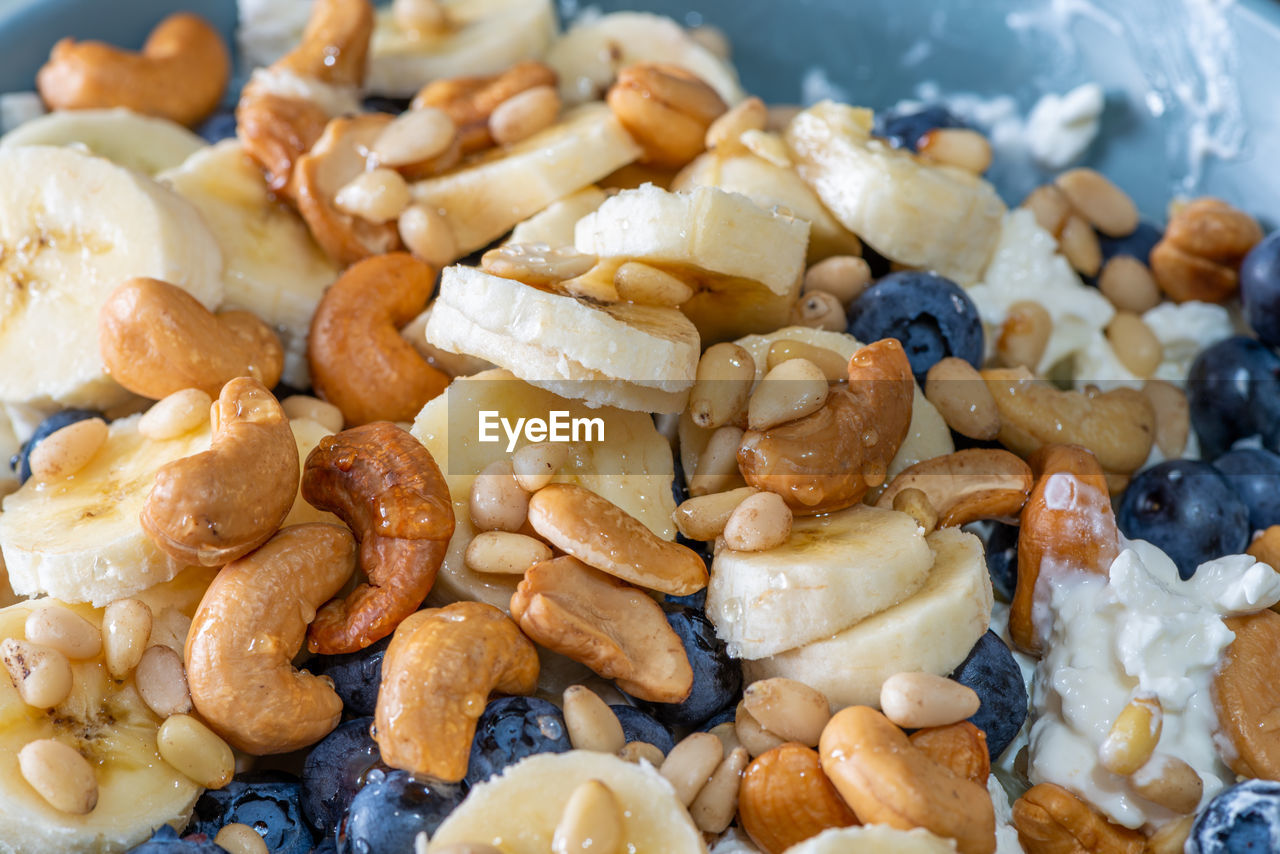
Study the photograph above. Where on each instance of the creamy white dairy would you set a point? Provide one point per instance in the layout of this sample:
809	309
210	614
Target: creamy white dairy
734	841
1006	835
1061	127
1183	330
1140	629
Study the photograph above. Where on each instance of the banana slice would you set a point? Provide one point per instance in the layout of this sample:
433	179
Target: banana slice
931	631
632	356
519	810
922	215
554	226
874	839
482	201
482	37
273	267
73	226
110	725
631	466
832	572
589	56
142	143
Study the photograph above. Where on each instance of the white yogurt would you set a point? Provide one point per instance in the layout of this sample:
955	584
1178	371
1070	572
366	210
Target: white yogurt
1060	128
1183	330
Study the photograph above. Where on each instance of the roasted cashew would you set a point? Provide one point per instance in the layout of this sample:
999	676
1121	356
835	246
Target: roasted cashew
250	624
384	484
469	101
219	505
180	74
978	483
155	339
359	361
335	44
438	672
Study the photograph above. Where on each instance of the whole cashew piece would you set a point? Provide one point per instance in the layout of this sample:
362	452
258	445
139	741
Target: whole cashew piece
219	505
180	73
249	626
385	485
335	43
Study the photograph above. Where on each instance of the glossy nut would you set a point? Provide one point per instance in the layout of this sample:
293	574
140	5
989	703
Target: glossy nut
760	522
718	467
647	285
1169	782
590	722
524	114
61	776
592	821
792	390
1246	695
789	709
715	807
1133	736
471	101
786	798
724	133
196	751
1050	820
1049	206
963	400
843	276
66	451
60	628
504	553
1024	335
751	735
1173	416
722	384
41	675
1199	256
1102	203
667	109
126	628
536	464
497	503
691	763
915	700
1079	244
162	682
703	517
176	415
1128	283
962	747
968	485
834	366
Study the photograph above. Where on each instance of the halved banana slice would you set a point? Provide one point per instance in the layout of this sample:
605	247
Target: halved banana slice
554	226
144	143
874	839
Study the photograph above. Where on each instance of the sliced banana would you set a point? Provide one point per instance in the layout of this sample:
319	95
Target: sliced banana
931	631
73	226
631	466
519	810
874	839
832	572
143	143
554	226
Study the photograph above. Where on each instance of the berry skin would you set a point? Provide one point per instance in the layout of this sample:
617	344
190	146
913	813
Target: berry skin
392	809
355	676
166	841
638	726
991	671
271	803
334	771
904	129
511	728
1254	475
1233	389
717	678
1244	819
1260	289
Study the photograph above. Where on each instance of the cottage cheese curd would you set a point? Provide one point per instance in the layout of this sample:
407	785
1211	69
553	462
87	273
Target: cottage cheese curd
1061	127
1183	330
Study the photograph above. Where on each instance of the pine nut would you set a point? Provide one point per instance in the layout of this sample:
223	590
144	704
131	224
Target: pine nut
722	384
414	136
497	502
917	505
591	723
963	148
162	681
789	709
176	415
592	821
725	132
1135	345
420	16
41	675
755	738
634	751
1169	782
690	764
794	389
1173	416
728	735
1128	283
524	114
240	838
60	775
916	700
64	452
713	39
819	310
963	400
126	628
716	805
505	553
843	276
1133	736
196	751
314	409
1024	335
428	235
767	146
378	196
1107	208
1171	838
717	469
833	366
1079	244
761	522
534	465
170	628
536	264
64	630
1050	208
704	517
645	285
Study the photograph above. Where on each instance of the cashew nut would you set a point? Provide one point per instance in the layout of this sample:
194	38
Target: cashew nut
469	101
249	626
978	483
384	484
438	672
219	505
335	43
180	74
156	339
359	361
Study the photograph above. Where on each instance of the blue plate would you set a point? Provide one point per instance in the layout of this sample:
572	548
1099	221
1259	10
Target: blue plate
876	52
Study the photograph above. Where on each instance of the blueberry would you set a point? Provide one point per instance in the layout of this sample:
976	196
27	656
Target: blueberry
166	841
1187	509
333	772
1233	389
1137	244
1254	474
385	104
992	672
221	125
638	726
270	803
717	678
930	315
1001	546
392	809
903	129
724	716
355	675
21	462
512	728
328	845
1260	289
1244	819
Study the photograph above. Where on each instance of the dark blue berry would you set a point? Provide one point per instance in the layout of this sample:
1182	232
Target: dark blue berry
392	809
1260	289
166	841
1137	244
21	462
334	771
271	804
221	125
1254	475
903	129
638	726
355	676
512	728
385	104
991	671
328	845
1185	508
717	678
1233	389
1244	819
931	315
1001	545
724	716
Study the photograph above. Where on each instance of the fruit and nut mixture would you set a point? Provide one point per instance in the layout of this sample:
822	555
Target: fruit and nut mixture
460	435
